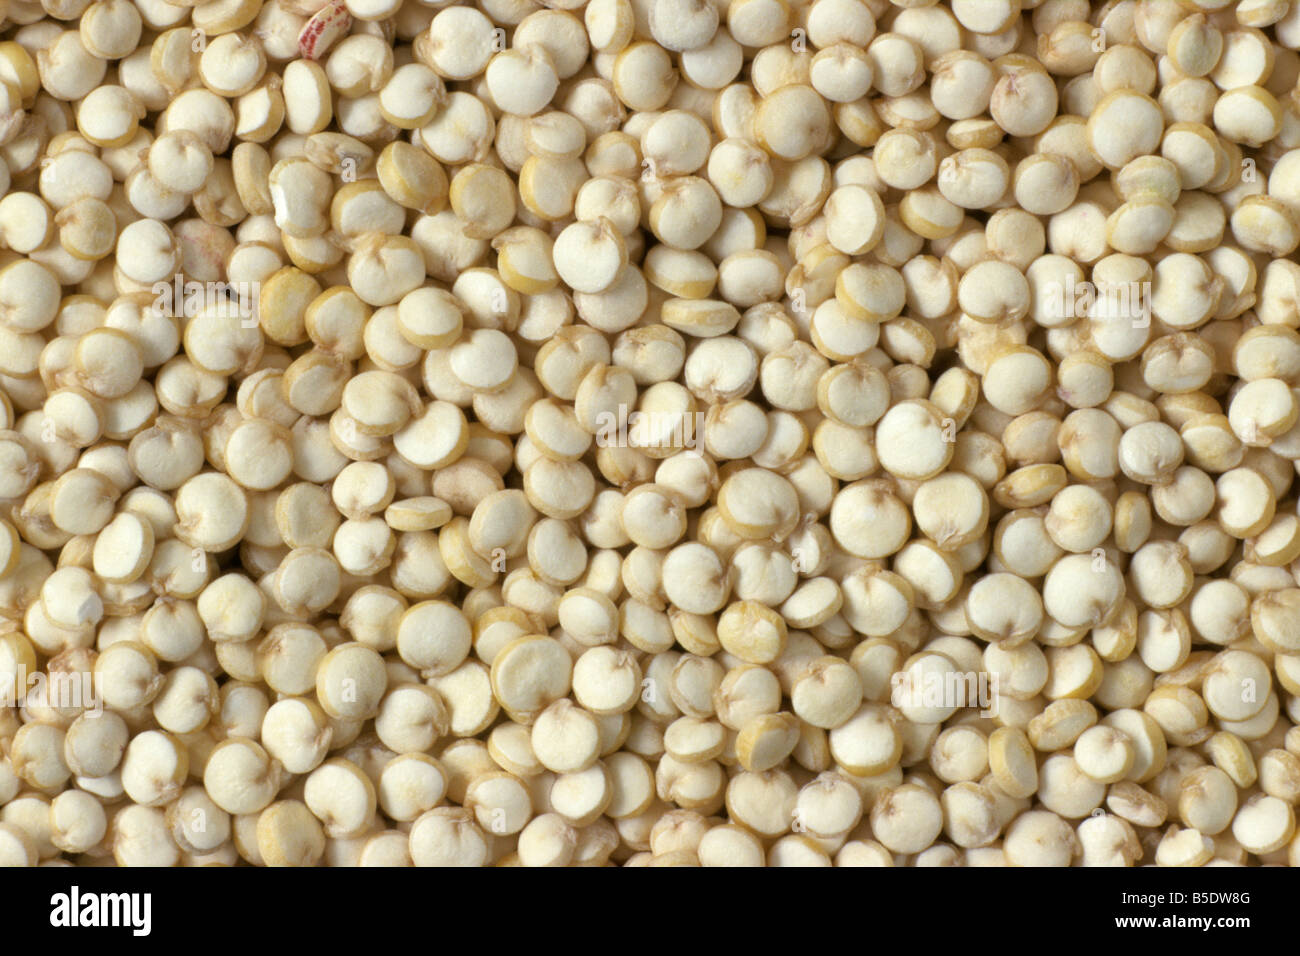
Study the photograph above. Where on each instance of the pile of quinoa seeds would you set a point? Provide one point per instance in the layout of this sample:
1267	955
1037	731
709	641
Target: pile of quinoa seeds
649	432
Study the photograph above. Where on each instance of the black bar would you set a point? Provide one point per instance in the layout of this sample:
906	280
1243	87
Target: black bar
928	906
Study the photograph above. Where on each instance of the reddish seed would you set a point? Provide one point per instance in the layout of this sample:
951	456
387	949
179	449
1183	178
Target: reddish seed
324	29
